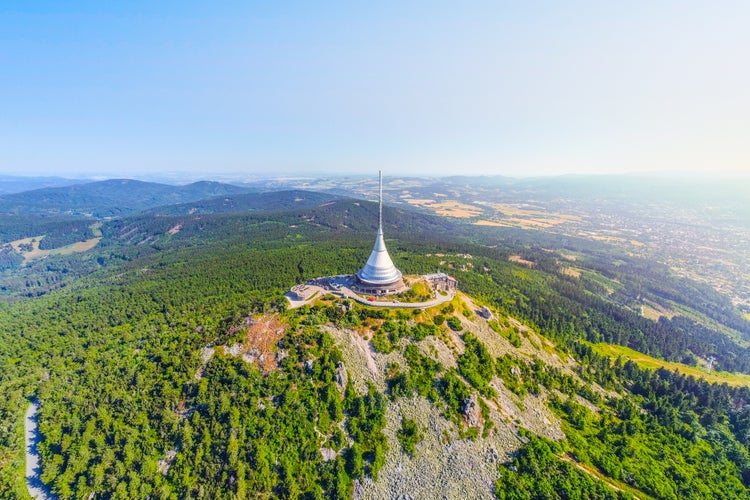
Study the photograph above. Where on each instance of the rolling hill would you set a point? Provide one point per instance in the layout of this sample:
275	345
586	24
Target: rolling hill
110	198
583	382
248	202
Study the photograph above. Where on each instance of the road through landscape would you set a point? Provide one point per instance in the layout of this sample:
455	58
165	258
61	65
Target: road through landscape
37	489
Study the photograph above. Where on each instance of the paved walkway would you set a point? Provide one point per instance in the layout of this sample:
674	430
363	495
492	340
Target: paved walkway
37	489
316	293
346	292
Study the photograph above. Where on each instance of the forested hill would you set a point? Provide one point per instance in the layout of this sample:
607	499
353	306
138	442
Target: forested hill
315	215
206	387
245	202
115	197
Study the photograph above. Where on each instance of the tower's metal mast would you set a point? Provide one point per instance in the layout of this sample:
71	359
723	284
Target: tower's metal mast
379	269
380	199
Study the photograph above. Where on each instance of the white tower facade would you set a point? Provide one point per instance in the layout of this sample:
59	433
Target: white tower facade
379	271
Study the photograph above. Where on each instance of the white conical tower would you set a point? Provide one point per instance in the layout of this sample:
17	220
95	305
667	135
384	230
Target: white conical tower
379	269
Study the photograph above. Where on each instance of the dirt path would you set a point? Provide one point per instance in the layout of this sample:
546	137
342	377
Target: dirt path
595	474
37	489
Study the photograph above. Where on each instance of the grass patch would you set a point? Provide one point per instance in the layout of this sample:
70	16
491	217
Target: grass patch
96	229
710	323
35	252
520	260
608	284
613	483
421	288
572	272
646	361
649	312
653	311
419	291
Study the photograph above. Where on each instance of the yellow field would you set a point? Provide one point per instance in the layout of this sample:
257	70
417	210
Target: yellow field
498	214
573	273
747	316
25	241
521	223
525	218
511	211
654	311
520	260
649	312
417	201
456	209
446	208
492	223
646	361
37	253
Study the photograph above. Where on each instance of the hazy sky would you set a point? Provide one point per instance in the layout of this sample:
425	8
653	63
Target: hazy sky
514	88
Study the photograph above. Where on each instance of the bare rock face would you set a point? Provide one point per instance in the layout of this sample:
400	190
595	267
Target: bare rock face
472	412
328	454
341	376
485	312
447	464
164	464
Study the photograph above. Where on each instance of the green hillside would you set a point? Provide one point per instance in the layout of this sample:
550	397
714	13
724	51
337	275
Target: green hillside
167	366
247	202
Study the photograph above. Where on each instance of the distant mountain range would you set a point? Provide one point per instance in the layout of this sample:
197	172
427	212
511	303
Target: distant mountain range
17	184
110	198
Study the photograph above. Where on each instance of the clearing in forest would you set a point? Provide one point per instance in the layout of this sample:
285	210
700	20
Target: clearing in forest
654	311
646	361
260	342
37	253
520	260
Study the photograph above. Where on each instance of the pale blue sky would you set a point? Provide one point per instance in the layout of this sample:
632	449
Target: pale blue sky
431	87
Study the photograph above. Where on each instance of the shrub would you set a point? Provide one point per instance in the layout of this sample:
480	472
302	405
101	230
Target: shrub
409	435
454	324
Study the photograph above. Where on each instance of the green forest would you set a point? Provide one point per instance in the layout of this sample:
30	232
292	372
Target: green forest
113	342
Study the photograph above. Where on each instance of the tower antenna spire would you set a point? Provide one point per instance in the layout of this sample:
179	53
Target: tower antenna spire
380	199
379	275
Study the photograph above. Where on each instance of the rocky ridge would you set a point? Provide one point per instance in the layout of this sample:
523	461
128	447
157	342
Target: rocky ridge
445	464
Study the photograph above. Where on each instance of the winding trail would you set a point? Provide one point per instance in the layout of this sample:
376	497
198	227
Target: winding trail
37	489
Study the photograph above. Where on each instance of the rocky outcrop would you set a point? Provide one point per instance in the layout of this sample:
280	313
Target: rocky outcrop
471	411
341	376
